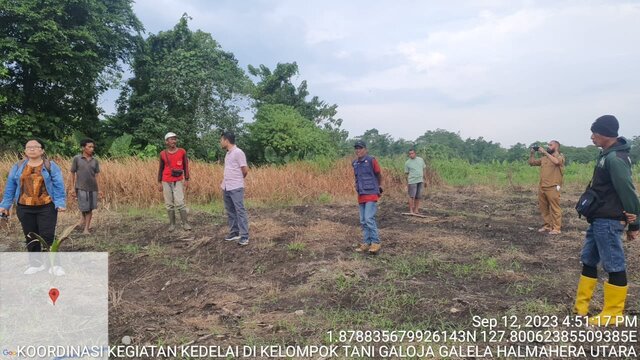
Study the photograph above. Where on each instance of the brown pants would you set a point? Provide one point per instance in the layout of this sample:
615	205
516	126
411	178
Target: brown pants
549	203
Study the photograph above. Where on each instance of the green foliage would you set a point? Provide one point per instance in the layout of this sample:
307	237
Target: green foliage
378	144
4	74
57	57
280	135
635	150
183	82
443	145
149	152
460	172
121	146
518	152
276	87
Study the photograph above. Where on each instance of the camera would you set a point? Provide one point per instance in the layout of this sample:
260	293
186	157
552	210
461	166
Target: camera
535	148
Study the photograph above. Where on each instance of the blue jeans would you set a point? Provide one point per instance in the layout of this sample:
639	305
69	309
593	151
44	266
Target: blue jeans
368	222
236	213
603	243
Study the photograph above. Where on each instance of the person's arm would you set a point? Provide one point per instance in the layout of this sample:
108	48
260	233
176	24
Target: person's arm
555	160
242	162
98	181
59	194
160	168
74	171
623	184
532	159
187	176
378	172
9	190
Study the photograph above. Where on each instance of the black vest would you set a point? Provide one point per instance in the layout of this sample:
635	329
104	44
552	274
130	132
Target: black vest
610	206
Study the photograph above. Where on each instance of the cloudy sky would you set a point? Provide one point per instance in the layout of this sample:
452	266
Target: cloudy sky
509	71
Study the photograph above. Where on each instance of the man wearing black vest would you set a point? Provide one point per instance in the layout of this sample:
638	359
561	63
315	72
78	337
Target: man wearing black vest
617	207
369	188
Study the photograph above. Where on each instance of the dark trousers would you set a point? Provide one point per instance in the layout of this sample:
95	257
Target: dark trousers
236	213
40	220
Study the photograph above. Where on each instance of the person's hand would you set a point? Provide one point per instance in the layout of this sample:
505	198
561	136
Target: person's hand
632	235
73	194
542	151
4	211
100	195
61	209
160	187
631	218
531	150
186	184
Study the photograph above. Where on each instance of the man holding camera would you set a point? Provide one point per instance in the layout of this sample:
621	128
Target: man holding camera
173	178
551	165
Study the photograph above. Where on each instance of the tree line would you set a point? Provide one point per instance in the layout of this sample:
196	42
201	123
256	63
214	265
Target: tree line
443	144
59	56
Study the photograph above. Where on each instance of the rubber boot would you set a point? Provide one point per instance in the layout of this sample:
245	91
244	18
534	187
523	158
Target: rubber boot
172	220
584	294
611	315
183	217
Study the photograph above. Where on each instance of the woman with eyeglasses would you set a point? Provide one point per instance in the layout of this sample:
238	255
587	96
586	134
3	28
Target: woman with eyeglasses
37	185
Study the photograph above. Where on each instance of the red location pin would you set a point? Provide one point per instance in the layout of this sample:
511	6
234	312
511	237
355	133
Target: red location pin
53	294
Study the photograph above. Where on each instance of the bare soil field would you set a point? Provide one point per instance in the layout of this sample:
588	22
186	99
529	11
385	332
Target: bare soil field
477	252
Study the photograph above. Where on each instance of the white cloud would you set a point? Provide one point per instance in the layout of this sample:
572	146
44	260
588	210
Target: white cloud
506	70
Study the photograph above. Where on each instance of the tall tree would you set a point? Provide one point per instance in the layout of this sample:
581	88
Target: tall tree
183	82
276	87
280	134
59	57
377	143
518	152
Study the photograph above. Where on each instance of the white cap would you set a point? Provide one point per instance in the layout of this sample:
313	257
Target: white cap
170	135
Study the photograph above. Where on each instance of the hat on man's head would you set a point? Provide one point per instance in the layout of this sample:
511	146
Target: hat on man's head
606	125
360	144
170	135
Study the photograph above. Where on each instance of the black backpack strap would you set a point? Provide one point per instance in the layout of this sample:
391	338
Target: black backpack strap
47	166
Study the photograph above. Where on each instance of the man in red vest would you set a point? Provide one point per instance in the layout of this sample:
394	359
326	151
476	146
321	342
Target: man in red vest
173	178
369	188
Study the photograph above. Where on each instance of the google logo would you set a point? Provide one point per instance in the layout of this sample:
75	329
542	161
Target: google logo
6	352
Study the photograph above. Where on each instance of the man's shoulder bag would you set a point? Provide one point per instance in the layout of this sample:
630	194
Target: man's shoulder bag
589	200
174	172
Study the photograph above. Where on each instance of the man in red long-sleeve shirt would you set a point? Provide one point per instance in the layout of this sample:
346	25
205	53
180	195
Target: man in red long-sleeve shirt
173	178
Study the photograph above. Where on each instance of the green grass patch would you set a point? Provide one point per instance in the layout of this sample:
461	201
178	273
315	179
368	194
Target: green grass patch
413	266
296	247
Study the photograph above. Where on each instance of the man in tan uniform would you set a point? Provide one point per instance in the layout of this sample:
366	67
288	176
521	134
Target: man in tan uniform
551	170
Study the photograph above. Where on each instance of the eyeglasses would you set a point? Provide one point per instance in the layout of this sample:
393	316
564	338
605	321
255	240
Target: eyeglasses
32	147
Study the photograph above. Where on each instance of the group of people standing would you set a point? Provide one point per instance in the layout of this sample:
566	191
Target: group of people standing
615	207
36	186
174	176
368	184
